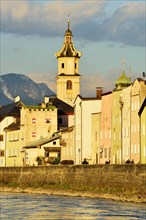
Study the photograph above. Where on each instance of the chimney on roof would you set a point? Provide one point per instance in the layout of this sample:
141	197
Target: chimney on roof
46	99
99	91
17	98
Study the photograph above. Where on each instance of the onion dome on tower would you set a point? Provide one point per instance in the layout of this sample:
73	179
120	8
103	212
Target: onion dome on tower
123	81
68	49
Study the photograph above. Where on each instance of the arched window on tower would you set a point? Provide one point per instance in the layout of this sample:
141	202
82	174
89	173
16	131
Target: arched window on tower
69	85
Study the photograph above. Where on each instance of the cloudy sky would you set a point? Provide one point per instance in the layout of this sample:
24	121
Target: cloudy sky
104	31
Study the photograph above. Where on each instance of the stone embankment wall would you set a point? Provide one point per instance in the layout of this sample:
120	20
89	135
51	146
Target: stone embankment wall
111	179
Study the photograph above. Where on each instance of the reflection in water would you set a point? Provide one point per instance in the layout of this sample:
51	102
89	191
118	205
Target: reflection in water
40	207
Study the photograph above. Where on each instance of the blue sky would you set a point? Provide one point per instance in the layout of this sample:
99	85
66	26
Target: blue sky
104	31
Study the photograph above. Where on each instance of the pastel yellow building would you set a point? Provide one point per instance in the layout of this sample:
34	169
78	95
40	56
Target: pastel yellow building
8	116
142	115
117	118
14	151
138	94
126	124
95	137
67	143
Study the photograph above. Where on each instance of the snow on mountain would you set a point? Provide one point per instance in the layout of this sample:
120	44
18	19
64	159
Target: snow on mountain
31	93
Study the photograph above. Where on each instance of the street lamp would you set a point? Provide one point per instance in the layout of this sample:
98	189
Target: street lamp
79	150
121	109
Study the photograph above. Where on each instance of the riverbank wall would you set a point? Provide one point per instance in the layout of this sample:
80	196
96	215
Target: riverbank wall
127	181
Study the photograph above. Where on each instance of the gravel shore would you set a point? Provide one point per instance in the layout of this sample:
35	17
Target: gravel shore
124	197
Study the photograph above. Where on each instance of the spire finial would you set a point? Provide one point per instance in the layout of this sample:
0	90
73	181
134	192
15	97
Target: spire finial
124	61
68	21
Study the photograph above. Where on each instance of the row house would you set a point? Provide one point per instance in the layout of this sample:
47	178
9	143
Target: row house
8	115
105	128
118	131
142	115
83	110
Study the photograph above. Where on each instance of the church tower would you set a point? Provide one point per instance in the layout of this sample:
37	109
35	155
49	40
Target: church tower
68	78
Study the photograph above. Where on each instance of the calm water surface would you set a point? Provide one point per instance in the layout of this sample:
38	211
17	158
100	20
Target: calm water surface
37	207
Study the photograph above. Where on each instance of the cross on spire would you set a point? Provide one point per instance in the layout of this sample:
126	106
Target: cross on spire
68	21
124	61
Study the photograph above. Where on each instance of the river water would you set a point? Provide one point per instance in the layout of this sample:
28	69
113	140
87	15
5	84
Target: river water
39	207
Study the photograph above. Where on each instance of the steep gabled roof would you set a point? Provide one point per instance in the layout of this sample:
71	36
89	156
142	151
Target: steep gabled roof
142	107
12	109
62	106
139	80
14	126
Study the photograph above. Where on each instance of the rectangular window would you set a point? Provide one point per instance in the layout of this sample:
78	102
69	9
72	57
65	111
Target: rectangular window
1	153
138	150
135	128
62	65
114	136
132	149
137	105
109	152
119	135
114	119
71	151
124	132
96	136
59	120
135	148
105	152
114	102
124	151
128	132
75	65
1	137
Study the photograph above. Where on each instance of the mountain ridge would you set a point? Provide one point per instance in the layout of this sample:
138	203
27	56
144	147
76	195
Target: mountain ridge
30	92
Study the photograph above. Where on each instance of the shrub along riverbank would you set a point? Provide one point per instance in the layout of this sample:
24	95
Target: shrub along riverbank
119	182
